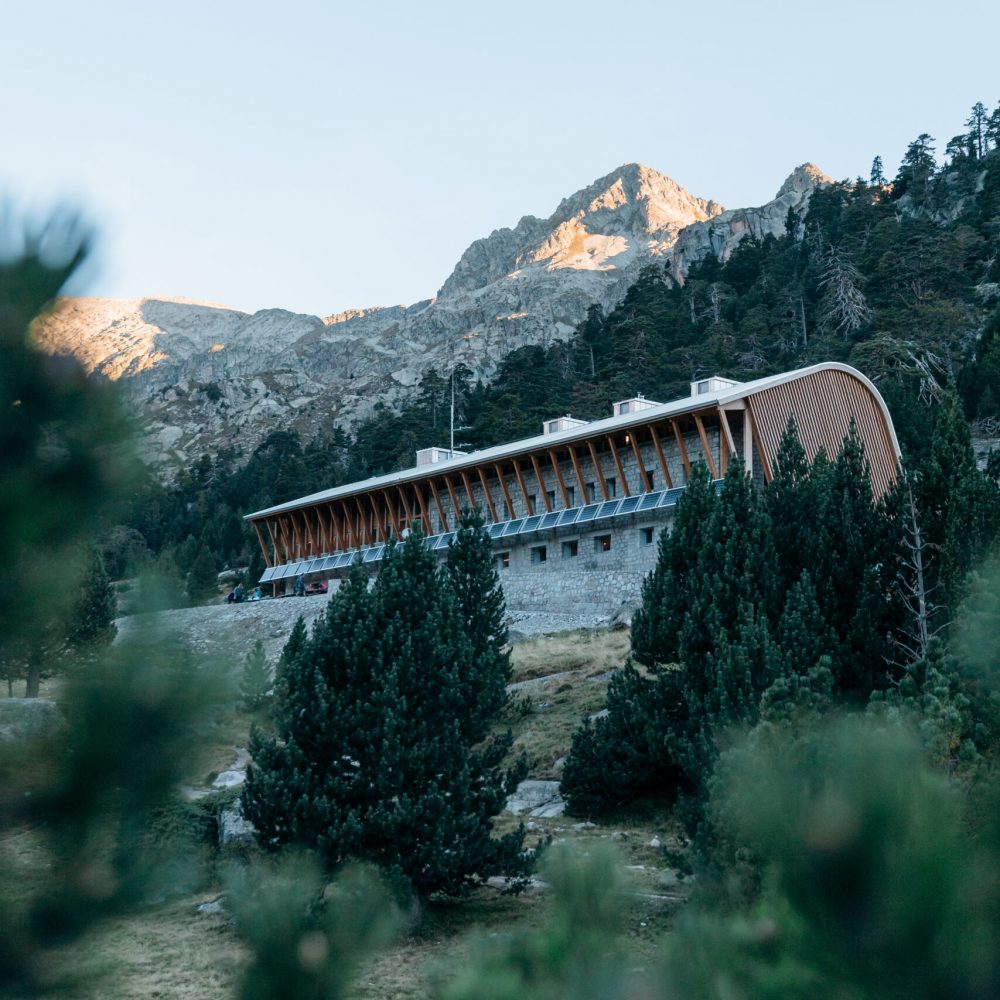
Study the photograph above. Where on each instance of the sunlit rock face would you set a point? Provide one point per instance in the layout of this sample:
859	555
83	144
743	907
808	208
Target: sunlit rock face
202	377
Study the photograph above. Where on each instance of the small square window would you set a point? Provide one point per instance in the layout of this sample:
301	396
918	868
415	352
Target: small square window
538	554
646	536
570	549
532	501
602	543
551	495
611	485
503	560
651	476
571	495
591	492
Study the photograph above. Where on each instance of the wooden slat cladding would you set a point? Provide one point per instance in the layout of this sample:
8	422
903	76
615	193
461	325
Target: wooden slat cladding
824	404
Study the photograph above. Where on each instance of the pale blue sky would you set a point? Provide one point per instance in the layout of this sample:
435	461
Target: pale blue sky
322	156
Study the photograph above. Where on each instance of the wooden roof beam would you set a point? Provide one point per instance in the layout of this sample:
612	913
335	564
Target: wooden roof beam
598	471
633	439
439	505
660	456
726	437
455	505
618	465
559	477
528	506
486	493
506	492
681	447
541	483
579	474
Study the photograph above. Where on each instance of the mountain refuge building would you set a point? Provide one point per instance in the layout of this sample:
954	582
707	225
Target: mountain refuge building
574	513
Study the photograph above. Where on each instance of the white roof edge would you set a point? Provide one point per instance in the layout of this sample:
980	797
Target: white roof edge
675	408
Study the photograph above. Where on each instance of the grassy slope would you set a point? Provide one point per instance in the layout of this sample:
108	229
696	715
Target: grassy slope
169	950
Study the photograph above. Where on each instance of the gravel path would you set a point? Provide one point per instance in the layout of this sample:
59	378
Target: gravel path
230	630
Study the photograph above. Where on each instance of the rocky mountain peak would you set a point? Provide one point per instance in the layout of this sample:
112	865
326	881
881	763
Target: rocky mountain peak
803	178
632	210
202	376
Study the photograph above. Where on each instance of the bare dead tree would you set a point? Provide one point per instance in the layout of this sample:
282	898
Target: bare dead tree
843	306
913	639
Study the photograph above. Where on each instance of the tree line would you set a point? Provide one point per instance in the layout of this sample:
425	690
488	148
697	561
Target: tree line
898	278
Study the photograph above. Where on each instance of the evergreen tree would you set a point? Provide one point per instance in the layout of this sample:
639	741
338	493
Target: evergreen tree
374	757
203	577
471	571
256	682
667	591
977	124
958	503
92	618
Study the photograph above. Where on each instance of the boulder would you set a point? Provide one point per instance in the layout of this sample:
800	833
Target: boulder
540	799
234	830
28	719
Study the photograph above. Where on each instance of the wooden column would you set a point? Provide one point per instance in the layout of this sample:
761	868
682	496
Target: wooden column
468	489
662	458
524	488
705	446
542	491
559	478
579	475
725	437
486	492
406	507
455	506
682	448
506	492
439	505
424	515
643	475
260	542
598	471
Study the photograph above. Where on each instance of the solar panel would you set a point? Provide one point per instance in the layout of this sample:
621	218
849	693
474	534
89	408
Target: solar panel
345	559
550	520
441	542
650	500
569	516
268	574
608	509
329	562
589	512
629	504
513	527
531	523
374	553
496	529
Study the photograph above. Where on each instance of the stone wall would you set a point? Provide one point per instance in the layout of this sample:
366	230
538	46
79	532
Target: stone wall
607	569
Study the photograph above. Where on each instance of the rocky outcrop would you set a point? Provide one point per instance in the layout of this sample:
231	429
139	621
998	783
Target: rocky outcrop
721	234
202	376
28	719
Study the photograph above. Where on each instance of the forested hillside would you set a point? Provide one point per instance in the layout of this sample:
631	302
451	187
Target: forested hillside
899	277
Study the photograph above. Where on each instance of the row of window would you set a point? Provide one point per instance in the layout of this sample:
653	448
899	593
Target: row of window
610	486
571	547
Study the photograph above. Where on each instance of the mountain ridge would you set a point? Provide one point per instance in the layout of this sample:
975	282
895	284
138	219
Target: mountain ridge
203	376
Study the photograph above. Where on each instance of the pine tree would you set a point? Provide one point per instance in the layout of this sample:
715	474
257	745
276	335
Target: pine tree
958	503
256	682
92	618
667	591
374	759
203	578
471	571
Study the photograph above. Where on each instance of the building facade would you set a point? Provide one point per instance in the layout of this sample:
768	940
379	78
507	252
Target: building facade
575	512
